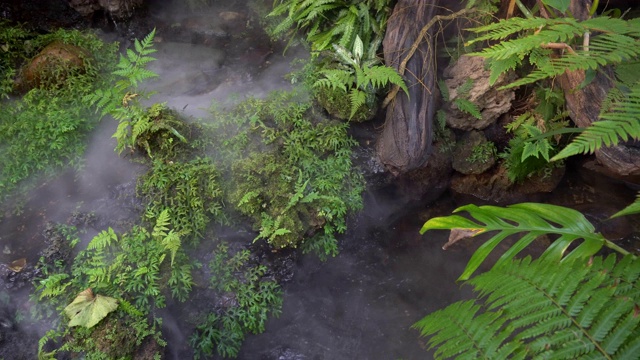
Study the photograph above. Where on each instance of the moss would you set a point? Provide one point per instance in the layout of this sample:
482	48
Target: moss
337	103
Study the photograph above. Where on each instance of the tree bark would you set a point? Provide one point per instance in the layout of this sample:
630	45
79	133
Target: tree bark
405	142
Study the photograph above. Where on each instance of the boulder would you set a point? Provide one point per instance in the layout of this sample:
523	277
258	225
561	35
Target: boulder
473	154
468	79
494	186
53	65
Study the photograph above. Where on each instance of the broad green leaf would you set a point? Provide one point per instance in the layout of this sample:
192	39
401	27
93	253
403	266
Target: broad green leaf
634	208
561	5
88	309
531	219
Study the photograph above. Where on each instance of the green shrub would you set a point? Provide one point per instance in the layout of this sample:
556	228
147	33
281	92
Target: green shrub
138	269
255	298
45	129
289	170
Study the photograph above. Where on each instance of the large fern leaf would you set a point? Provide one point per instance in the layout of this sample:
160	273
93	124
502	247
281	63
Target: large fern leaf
621	123
543	309
533	220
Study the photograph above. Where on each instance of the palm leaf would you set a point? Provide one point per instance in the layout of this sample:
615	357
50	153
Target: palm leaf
533	220
634	208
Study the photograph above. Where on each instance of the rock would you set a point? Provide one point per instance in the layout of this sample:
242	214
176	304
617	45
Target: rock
117	9
85	8
494	186
473	154
622	160
468	79
53	65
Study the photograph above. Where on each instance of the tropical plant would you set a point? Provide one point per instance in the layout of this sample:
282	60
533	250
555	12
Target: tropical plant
44	130
255	298
537	309
356	74
332	22
289	170
128	271
137	125
191	189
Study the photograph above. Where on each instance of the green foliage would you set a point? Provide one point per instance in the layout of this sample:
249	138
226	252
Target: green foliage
358	77
44	130
620	122
532	219
255	298
612	41
540	309
129	269
190	189
483	152
329	22
122	101
289	172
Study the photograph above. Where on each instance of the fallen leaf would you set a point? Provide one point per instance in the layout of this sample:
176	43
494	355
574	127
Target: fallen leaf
18	265
88	309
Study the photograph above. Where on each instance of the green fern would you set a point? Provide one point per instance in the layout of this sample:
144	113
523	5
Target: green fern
634	208
613	41
534	220
537	309
621	122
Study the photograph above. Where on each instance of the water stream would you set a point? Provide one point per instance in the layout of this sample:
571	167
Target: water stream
358	305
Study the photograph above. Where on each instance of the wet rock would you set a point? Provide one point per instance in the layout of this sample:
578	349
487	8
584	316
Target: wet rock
494	186
117	9
468	79
473	154
53	65
621	160
58	247
14	280
283	353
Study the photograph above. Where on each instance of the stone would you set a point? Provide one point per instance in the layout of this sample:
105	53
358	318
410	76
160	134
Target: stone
494	186
52	65
490	101
621	160
473	154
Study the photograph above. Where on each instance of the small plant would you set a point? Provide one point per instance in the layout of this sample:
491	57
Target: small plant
128	270
332	22
255	299
44	130
137	126
290	172
192	191
357	76
483	153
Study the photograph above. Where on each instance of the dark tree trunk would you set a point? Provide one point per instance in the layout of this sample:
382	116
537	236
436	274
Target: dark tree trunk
405	142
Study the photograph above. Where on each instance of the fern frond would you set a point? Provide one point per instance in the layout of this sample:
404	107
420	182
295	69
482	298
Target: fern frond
103	240
171	242
468	107
622	123
162	225
533	220
380	76
542	309
358	98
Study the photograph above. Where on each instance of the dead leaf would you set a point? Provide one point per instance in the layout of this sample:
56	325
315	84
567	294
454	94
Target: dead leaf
18	265
458	234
